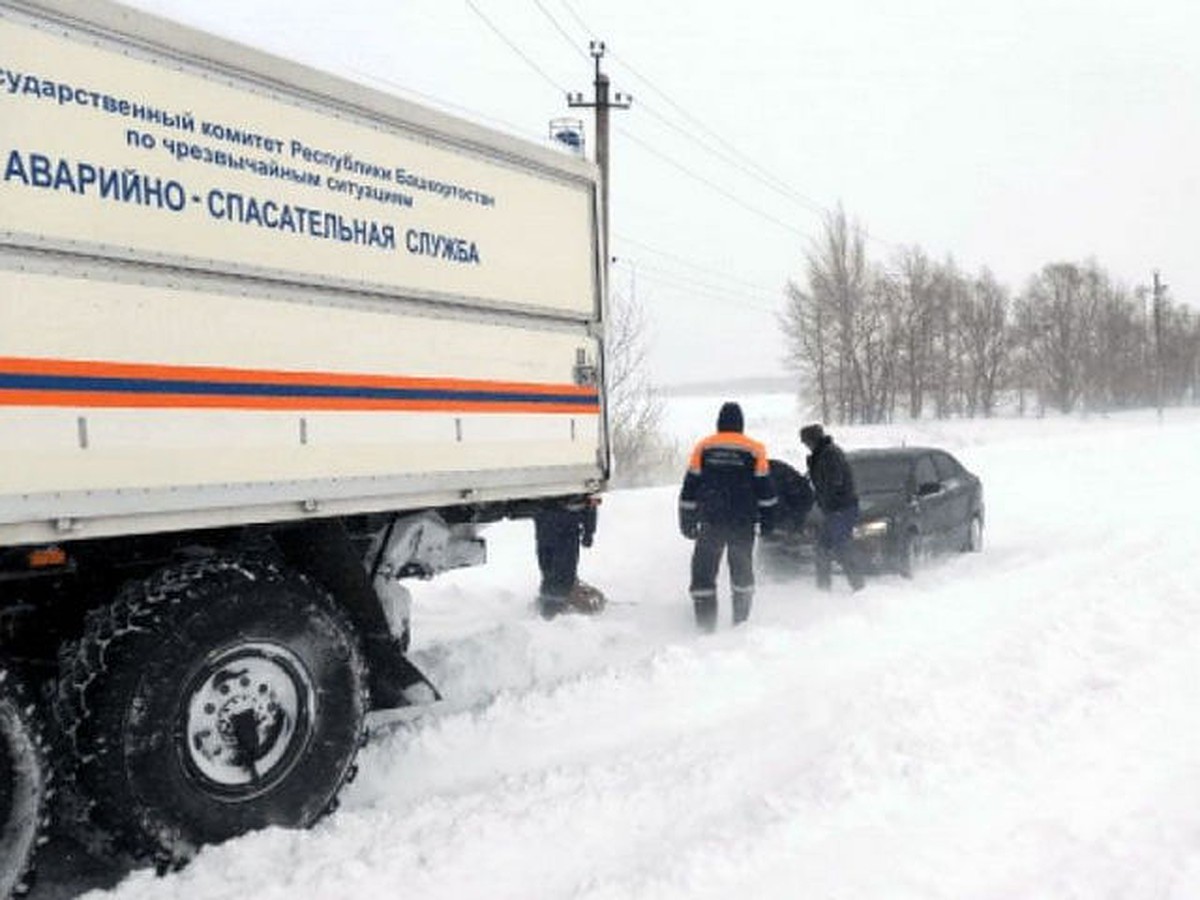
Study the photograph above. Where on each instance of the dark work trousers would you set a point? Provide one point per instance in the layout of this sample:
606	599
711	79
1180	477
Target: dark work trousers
834	542
712	541
557	536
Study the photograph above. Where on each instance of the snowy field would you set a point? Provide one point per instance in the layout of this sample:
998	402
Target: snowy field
1021	723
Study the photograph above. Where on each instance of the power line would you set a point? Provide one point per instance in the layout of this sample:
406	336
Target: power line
640	266
759	172
448	105
512	46
661	276
645	146
728	158
754	169
749	166
578	21
561	30
476	114
754	286
508	125
713	294
733	198
689	280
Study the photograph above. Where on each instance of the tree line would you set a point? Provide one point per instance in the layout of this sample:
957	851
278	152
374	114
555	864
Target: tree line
919	337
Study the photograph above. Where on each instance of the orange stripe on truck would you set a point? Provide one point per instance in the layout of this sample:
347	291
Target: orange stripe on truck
95	383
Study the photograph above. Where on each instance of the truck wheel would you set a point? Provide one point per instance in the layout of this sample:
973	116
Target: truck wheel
216	697
24	786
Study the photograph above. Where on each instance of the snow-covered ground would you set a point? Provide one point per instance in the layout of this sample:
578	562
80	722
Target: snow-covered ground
1021	723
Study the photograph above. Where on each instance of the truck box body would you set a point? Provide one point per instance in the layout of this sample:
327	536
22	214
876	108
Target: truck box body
234	289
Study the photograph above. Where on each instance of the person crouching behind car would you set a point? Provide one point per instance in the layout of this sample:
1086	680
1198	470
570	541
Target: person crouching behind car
726	490
833	482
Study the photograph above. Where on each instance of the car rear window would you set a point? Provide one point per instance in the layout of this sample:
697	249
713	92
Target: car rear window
880	475
947	466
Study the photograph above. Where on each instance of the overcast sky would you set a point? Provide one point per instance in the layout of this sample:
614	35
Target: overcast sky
1004	134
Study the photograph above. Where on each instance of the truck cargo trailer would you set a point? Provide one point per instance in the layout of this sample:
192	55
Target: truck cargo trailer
270	342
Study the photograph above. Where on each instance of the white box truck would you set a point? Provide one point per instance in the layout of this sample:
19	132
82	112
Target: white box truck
270	341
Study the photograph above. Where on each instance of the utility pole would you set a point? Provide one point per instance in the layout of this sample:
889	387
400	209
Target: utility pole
1159	290
601	104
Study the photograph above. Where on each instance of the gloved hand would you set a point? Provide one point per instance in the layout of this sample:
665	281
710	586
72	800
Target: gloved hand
586	539
689	521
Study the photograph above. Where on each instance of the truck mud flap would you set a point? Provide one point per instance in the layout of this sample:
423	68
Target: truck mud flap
417	689
394	680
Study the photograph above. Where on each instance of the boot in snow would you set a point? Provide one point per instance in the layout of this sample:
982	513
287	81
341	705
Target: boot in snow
550	605
585	598
704	602
742	600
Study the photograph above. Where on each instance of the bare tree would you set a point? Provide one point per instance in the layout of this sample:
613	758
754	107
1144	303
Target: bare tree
1113	370
805	324
875	349
1056	312
641	452
950	291
914	297
926	336
986	340
833	330
1181	352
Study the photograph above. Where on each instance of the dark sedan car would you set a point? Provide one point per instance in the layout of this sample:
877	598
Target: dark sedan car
913	501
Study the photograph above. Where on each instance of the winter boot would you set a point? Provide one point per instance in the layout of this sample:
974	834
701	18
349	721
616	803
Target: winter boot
550	605
742	600
705	604
585	598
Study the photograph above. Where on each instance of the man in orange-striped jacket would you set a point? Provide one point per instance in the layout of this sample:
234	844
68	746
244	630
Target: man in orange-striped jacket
727	489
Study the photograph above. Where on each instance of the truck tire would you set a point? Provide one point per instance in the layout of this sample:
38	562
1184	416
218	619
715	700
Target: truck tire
24	787
215	697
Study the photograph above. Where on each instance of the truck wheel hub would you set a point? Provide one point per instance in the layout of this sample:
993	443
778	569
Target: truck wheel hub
248	716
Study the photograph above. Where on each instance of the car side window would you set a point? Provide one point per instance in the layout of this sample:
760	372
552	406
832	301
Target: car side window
947	468
925	472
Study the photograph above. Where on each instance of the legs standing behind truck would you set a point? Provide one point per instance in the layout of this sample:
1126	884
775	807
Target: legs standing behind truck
559	530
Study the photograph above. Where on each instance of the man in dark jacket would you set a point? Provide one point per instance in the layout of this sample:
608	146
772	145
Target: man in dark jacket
559	530
833	482
727	489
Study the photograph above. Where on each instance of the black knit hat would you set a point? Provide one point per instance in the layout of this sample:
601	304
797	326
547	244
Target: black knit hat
730	417
811	434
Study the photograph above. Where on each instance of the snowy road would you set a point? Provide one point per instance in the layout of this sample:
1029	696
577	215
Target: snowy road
1020	723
